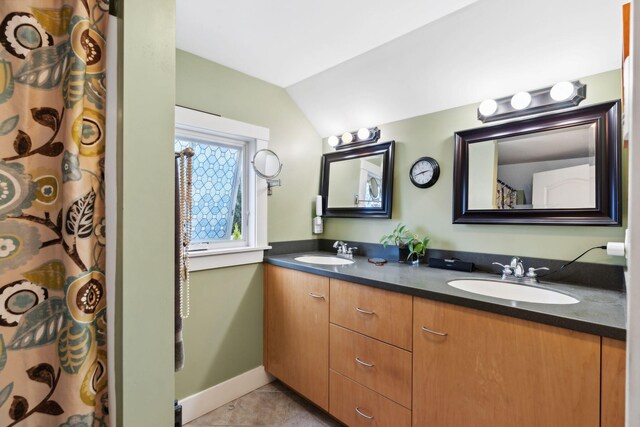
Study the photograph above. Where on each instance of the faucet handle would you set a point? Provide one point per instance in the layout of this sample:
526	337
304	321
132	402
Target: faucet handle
338	243
352	249
532	271
506	269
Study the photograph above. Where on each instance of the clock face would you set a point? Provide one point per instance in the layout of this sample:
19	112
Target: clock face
424	172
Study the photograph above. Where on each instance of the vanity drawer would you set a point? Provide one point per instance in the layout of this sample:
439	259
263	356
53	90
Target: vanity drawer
351	355
356	405
380	314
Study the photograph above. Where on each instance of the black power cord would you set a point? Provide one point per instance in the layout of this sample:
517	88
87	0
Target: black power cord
573	260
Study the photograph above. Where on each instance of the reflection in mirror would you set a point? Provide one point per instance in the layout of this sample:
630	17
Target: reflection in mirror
374	187
553	169
351	183
358	182
559	168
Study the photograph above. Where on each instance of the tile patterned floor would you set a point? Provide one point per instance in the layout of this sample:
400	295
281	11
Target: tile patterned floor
271	405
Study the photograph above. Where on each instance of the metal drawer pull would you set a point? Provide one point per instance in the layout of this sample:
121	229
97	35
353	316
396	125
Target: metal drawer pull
364	311
311	294
368	365
362	414
442	334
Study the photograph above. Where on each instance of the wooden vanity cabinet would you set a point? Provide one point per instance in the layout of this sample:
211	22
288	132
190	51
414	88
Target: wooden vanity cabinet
296	331
402	360
493	370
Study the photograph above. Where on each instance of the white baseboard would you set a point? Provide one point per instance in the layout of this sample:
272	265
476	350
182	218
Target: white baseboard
198	404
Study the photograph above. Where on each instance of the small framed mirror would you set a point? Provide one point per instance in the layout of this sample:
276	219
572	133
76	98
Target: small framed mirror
358	183
562	168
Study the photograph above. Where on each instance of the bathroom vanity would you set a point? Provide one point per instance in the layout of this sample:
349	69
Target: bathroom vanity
395	345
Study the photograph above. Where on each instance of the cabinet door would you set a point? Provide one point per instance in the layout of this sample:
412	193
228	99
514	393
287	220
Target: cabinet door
613	382
296	331
493	370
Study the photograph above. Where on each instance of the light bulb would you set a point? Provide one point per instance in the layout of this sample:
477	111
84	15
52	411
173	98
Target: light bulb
333	140
488	107
521	100
347	137
561	91
363	134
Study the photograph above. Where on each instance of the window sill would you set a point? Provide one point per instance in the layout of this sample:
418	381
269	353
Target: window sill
228	257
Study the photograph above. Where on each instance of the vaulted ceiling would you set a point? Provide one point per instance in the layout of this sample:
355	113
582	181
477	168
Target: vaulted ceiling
355	63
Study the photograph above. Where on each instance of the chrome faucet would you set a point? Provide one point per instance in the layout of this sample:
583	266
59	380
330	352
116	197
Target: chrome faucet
344	251
516	269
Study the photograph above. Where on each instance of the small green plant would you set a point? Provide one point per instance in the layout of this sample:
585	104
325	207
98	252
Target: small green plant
418	246
402	237
236	235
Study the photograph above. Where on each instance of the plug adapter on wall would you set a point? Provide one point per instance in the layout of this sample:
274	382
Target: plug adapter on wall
620	248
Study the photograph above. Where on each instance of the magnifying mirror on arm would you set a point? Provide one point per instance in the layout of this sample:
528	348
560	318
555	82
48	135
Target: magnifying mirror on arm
267	165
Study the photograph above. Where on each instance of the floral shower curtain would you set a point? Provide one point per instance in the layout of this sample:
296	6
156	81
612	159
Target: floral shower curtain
52	228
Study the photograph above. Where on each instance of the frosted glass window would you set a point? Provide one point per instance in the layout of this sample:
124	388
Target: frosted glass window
217	189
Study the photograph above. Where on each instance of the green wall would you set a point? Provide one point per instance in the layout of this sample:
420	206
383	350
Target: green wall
144	265
429	210
223	335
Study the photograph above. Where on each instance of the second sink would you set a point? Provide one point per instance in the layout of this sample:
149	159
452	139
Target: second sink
511	291
323	260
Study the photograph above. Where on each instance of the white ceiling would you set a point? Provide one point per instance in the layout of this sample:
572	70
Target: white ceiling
349	64
286	41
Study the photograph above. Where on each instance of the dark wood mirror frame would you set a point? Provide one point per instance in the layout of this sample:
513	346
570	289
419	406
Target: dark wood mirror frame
386	149
608	208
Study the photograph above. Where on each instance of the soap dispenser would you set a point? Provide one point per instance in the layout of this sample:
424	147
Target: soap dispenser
317	220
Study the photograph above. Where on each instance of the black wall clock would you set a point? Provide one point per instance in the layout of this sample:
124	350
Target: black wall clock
424	172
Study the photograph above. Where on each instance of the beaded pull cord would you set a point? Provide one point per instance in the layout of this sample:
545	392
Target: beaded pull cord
185	200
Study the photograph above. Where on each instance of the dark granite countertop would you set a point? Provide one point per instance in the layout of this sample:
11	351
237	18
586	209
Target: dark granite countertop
599	312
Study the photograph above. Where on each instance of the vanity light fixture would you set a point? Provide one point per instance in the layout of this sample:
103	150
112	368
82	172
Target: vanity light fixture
363	133
562	91
561	95
521	100
347	138
488	107
351	139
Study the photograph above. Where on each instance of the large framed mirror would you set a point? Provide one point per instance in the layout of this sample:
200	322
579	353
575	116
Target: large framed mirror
358	183
561	168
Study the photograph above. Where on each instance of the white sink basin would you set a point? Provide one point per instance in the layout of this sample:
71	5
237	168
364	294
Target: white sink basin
511	291
324	260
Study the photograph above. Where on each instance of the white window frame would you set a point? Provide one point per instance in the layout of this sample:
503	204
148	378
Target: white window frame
194	122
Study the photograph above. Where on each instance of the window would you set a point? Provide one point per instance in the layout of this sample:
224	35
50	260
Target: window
218	180
229	201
